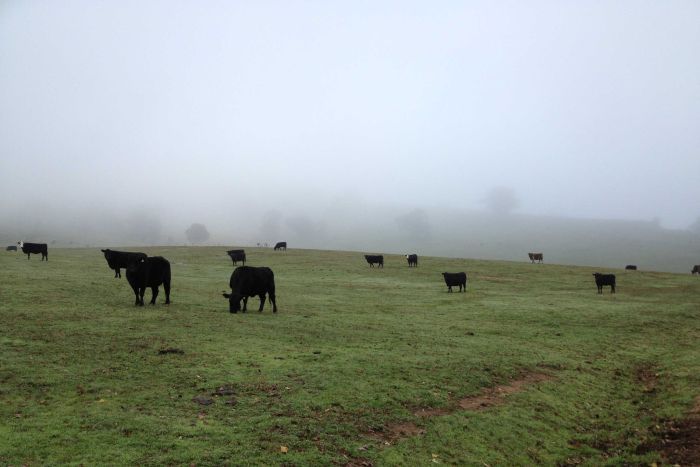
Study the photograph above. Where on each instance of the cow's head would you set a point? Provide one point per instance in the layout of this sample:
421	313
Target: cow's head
234	301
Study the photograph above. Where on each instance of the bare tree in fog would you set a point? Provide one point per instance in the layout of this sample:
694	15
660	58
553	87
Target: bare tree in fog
501	200
270	229
143	226
197	233
695	226
304	229
415	224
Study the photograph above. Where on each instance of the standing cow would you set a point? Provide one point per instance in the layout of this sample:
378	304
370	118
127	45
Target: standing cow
412	260
248	281
696	269
121	259
603	280
372	259
149	272
11	248
35	248
236	255
281	246
455	279
631	267
539	257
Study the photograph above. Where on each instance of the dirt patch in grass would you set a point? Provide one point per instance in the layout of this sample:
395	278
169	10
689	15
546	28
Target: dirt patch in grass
498	395
397	431
678	441
648	378
489	397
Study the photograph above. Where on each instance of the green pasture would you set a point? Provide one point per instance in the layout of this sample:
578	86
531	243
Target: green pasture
352	352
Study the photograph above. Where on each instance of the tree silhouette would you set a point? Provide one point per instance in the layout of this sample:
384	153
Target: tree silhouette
197	233
501	200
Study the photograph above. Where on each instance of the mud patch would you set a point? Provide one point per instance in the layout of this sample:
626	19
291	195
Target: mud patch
648	378
679	441
487	398
397	431
499	395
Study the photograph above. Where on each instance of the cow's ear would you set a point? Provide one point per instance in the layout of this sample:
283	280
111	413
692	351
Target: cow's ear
226	295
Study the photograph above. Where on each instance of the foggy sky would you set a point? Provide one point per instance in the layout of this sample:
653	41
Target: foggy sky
225	112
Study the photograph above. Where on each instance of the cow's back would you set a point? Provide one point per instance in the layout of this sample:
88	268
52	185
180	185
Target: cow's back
249	280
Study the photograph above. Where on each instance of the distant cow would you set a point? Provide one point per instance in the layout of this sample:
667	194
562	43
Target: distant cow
35	248
604	279
696	269
121	259
149	272
11	248
281	246
539	257
237	255
247	281
455	279
631	267
412	260
371	259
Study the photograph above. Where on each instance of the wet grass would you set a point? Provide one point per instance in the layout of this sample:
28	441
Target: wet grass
352	351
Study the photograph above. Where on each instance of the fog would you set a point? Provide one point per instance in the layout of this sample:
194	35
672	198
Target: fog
377	126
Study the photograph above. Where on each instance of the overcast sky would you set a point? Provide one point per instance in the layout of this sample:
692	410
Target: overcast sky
583	108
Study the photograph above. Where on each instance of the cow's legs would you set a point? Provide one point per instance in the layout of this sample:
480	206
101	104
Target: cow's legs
262	302
154	294
117	273
28	256
449	288
245	303
612	288
274	303
142	290
166	287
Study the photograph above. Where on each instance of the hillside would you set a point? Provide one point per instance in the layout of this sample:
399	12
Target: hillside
360	366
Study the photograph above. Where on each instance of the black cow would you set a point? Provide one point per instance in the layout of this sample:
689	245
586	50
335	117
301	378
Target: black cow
248	281
35	248
631	267
455	279
281	246
11	248
371	259
696	269
412	260
539	257
604	279
121	259
237	255
149	272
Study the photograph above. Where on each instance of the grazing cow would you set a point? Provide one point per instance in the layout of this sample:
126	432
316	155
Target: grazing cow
149	272
121	259
696	269
281	246
412	260
455	279
237	255
248	281
11	248
604	279
631	267
35	248
371	259
539	257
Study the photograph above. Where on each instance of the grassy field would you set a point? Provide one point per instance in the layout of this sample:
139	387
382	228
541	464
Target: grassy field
347	370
